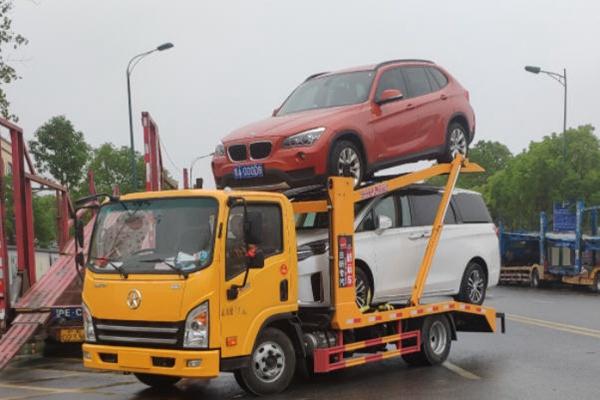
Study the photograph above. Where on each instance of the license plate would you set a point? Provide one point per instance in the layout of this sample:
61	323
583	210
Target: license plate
70	335
248	171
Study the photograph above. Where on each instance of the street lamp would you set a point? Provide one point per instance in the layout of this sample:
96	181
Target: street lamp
130	66
194	163
562	79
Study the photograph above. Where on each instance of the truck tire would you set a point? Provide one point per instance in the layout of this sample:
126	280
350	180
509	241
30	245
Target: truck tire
436	339
535	279
157	381
473	285
346	159
272	364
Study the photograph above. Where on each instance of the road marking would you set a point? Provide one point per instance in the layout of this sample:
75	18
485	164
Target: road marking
38	388
460	371
579	330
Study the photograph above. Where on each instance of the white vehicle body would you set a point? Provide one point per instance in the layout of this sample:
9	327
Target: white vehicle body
392	252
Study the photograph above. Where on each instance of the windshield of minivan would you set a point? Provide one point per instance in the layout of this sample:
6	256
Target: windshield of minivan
173	235
329	91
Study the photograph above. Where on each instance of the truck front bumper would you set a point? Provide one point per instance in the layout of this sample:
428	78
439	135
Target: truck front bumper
182	363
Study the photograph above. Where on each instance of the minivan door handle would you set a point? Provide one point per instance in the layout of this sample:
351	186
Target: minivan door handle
416	236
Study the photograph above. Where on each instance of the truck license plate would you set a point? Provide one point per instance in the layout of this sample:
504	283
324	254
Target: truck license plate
248	171
71	335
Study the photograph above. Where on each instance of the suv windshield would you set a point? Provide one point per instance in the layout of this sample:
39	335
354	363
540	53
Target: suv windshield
329	91
154	236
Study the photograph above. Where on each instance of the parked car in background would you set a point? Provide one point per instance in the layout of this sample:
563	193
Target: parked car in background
391	235
351	122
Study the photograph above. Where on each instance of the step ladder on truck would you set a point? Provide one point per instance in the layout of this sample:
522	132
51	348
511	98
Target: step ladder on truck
251	324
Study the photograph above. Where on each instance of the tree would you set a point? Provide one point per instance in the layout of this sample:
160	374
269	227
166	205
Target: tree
8	39
492	156
44	220
535	179
60	150
112	165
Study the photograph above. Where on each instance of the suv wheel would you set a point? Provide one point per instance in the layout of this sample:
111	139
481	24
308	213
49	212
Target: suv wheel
456	142
346	160
473	285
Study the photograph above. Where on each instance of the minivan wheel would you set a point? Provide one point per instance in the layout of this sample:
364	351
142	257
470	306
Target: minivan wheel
473	285
157	381
272	364
362	287
346	160
456	142
436	339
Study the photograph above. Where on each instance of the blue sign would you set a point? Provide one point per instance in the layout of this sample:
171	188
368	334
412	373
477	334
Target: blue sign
564	218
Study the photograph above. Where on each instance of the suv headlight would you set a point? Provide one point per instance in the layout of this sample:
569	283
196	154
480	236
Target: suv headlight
219	150
196	327
312	249
306	138
88	324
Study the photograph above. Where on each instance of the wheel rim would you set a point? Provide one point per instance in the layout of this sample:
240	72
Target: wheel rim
438	338
362	292
458	142
535	279
475	285
268	361
349	164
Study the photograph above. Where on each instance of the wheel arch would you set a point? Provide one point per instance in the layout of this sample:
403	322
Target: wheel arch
354	137
290	325
461	119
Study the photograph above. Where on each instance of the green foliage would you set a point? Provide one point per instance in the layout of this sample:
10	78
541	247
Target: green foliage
60	150
533	180
10	40
112	165
44	220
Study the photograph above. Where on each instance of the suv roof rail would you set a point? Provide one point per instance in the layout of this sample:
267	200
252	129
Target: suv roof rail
382	64
315	75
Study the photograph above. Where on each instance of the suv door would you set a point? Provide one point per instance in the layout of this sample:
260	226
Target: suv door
395	124
395	253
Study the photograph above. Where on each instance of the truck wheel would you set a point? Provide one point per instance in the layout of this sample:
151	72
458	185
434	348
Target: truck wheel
436	338
346	160
272	364
457	141
473	284
535	279
157	381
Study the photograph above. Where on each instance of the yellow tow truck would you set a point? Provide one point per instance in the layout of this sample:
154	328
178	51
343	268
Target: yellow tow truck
191	283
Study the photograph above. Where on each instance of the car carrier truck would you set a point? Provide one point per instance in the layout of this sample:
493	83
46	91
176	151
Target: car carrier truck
192	283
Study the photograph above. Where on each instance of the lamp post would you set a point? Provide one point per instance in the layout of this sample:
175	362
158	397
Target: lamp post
562	79
130	66
194	163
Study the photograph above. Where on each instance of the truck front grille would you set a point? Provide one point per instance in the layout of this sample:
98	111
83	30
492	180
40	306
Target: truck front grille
138	333
237	152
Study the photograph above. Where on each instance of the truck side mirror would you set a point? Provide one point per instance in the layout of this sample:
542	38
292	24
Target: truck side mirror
80	259
257	260
79	232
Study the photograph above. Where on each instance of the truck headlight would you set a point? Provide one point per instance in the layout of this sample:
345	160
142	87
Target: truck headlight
306	138
312	249
196	327
219	150
88	324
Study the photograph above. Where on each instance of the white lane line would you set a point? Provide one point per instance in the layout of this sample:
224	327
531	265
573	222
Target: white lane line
460	371
555	325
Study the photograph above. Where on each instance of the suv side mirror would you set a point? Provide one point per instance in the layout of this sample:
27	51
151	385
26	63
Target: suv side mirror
383	222
389	95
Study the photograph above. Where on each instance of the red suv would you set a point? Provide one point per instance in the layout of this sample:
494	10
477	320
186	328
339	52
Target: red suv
351	122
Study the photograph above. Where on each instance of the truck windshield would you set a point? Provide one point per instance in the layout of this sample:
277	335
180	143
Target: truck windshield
329	91
173	235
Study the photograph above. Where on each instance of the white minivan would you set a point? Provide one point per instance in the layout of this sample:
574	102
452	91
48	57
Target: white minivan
391	235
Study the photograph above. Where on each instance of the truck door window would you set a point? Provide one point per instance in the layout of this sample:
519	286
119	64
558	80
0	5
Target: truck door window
272	236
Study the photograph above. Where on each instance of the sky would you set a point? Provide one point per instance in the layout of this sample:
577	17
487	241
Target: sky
235	61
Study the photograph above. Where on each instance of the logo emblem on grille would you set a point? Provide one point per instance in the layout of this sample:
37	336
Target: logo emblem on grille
134	299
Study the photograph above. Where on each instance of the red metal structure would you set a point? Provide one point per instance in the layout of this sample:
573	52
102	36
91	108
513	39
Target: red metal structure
152	154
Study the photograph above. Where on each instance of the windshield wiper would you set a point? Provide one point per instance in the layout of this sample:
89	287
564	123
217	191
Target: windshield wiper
121	270
168	264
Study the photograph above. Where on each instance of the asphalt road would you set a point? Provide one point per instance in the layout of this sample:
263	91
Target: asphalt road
550	351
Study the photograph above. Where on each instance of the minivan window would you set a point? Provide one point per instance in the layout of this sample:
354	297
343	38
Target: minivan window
416	80
391	79
425	207
472	208
329	91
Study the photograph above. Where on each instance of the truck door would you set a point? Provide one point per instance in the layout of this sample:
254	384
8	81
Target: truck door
268	290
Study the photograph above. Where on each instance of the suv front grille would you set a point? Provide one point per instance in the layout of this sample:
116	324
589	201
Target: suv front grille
260	150
138	333
237	152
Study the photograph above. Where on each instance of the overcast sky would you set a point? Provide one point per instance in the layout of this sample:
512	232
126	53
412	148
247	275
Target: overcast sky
234	61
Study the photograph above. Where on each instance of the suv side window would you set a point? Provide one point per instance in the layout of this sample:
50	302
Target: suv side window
416	81
425	207
391	79
472	208
272	236
438	77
